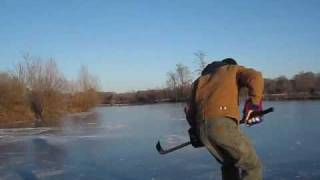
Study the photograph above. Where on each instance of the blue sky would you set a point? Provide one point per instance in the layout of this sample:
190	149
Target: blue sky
132	44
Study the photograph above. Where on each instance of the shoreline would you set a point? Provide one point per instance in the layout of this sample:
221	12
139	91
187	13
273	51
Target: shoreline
83	115
48	123
268	98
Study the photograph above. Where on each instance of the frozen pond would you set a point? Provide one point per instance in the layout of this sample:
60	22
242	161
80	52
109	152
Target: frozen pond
119	144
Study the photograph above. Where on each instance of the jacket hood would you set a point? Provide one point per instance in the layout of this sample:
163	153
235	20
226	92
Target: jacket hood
212	67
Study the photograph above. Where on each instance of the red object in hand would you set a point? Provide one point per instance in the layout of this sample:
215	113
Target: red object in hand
249	107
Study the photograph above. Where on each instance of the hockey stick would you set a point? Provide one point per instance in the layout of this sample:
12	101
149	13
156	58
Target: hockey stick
162	151
166	151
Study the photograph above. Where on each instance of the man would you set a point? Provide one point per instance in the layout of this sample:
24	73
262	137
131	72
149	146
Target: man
213	113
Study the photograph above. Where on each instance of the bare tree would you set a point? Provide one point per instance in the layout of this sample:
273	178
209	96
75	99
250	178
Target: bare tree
318	82
179	81
282	85
172	81
305	82
38	74
200	60
269	86
84	94
183	75
86	80
52	78
46	86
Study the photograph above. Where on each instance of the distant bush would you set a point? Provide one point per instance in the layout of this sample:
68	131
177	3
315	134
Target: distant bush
46	87
38	90
14	104
83	92
83	101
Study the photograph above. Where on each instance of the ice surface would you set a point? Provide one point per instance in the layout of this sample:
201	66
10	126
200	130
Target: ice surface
119	144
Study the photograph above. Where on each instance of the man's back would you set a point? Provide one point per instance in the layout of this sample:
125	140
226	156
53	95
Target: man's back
216	94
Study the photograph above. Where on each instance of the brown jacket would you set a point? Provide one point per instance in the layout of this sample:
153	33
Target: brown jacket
216	95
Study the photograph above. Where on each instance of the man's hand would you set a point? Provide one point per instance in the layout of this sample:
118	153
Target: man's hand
193	131
249	108
194	138
189	116
186	109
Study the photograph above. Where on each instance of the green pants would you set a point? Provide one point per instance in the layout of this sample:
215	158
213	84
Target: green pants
231	148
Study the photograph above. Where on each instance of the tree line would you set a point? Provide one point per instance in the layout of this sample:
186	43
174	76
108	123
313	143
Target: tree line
304	85
37	91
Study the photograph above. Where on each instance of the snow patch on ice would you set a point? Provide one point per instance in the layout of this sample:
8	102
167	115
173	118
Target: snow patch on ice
115	126
48	173
175	139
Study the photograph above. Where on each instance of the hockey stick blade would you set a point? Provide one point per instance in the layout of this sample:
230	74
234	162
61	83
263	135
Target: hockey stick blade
166	151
